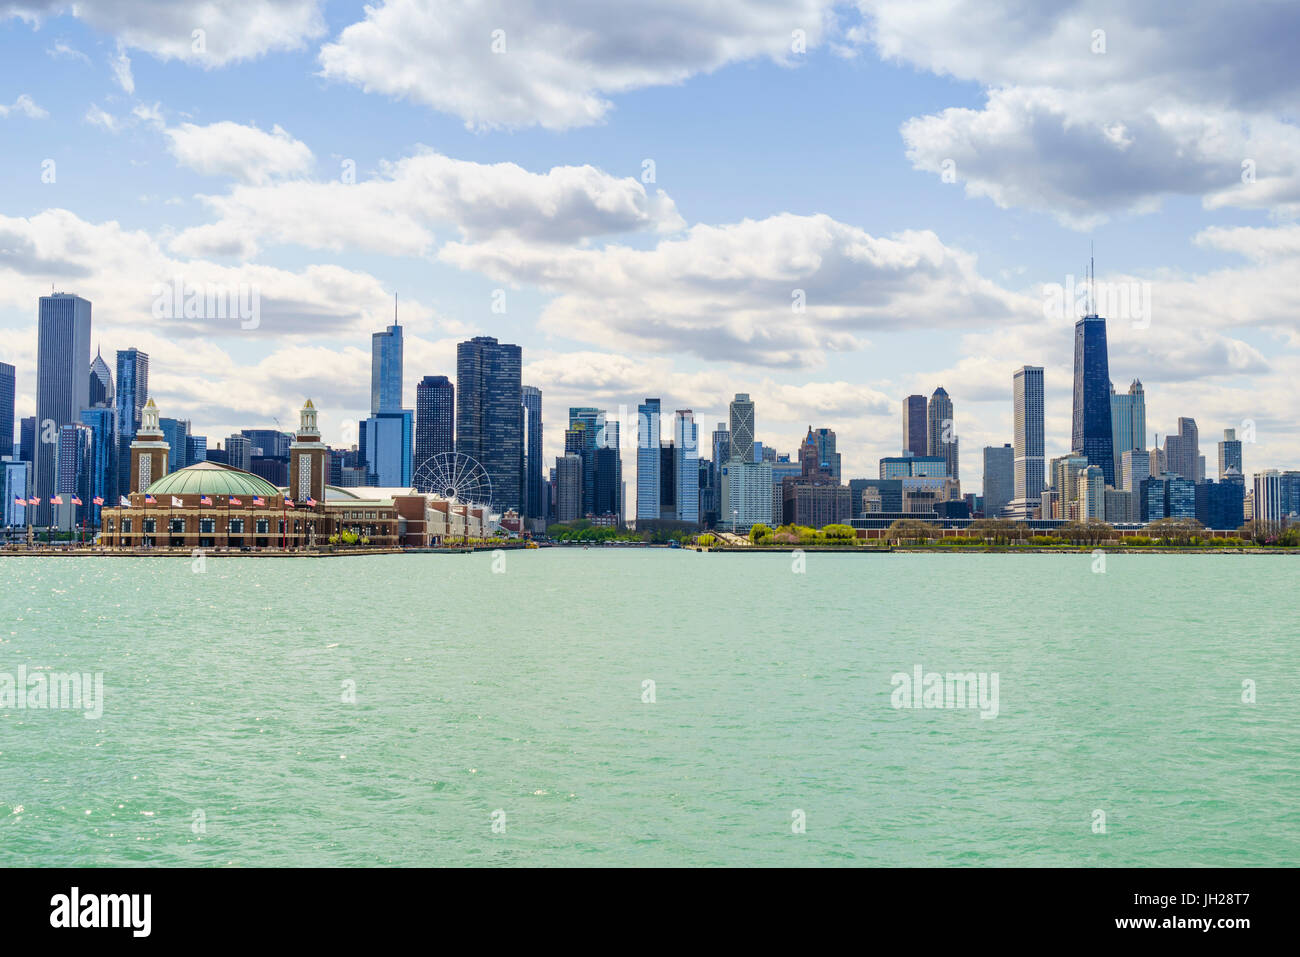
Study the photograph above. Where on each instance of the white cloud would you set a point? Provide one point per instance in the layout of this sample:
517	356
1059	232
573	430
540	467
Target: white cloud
61	51
96	115
730	292
244	153
1083	126
227	30
121	64
558	63
24	105
395	211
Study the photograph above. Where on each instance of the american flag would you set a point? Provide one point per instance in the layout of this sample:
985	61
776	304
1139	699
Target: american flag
235	501
150	500
206	500
57	500
288	502
75	500
311	501
33	501
19	501
259	501
97	500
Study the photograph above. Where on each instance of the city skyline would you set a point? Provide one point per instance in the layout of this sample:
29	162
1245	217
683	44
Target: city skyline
933	267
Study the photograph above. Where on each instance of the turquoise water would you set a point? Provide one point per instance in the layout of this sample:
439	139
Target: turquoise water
522	692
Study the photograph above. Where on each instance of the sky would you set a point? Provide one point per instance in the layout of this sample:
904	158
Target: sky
828	206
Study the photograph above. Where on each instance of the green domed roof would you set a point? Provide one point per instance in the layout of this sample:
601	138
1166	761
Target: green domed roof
212	478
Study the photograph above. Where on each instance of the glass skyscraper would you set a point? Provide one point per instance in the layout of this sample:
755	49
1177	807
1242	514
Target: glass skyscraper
386	370
1027	411
534	491
941	437
914	425
104	466
62	384
101	383
1091	434
647	460
6	409
490	414
132	389
386	446
687	462
435	418
1128	420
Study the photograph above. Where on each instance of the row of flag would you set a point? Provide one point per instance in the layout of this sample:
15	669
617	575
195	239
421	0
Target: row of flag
258	501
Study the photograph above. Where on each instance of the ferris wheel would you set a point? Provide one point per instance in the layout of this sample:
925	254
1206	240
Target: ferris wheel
454	476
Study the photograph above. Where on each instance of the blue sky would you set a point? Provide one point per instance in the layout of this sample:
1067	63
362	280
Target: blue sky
775	170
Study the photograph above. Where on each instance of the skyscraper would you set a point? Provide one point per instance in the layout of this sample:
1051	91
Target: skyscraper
132	390
1230	456
386	368
6	409
941	435
1027	464
176	432
999	478
101	383
435	418
915	429
534	502
1091	433
1128	420
687	441
827	456
489	414
104	466
591	422
568	487
742	428
647	460
1182	451
62	383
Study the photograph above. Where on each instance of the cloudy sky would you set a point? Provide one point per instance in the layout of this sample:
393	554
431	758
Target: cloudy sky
826	205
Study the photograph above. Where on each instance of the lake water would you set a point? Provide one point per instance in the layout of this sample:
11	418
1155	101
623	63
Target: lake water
519	698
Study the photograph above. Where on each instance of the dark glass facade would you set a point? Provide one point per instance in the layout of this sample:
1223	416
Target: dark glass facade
6	408
489	414
62	384
1091	434
435	418
534	490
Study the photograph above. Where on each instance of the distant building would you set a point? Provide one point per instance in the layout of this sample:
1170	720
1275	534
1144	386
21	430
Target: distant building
1166	496
435	417
239	452
1092	500
6	409
942	437
386	369
915	466
1091	433
1119	506
101	383
1221	504
1268	496
1027	448
687	465
1230	455
62	384
915	425
999	478
176	432
1128	416
387	445
1135	465
489	414
647	460
568	488
534	505
1182	451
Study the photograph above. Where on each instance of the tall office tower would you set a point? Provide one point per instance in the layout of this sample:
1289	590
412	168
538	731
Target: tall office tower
1230	455
1268	496
742	428
132	390
647	460
386	368
6	409
1128	420
104	465
27	440
534	503
435	417
1135	465
668	481
1091	433
1027	412
62	383
1182	451
489	414
915	429
999	478
74	462
1092	499
592	423
827	457
721	455
239	452
196	449
387	440
568	487
721	444
687	441
177	433
941	436
101	383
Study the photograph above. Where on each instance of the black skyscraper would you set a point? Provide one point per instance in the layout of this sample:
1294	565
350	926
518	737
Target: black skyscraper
6	408
435	418
490	414
1092	423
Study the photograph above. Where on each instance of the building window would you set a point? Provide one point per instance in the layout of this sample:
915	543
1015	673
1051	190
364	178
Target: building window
177	526
150	526
262	526
236	526
207	526
108	525
126	526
